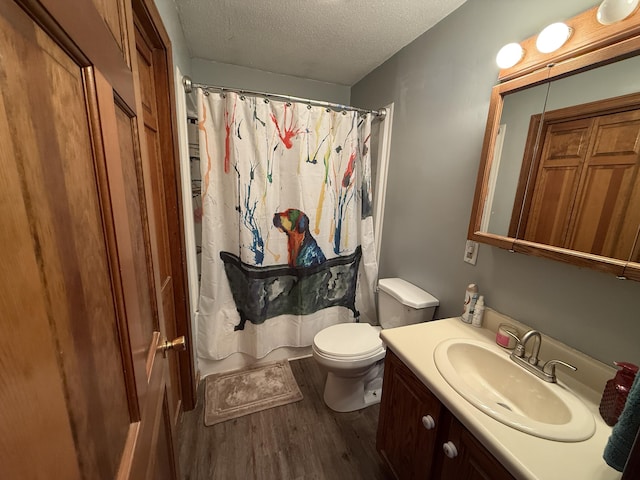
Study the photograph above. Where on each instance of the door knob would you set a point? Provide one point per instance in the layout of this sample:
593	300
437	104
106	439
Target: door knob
177	345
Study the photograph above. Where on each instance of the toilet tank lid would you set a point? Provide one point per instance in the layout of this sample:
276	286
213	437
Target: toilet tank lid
407	293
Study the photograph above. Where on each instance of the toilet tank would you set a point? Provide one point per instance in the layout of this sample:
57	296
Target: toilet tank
402	303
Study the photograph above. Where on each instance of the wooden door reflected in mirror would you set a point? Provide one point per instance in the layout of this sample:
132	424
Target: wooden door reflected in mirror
583	185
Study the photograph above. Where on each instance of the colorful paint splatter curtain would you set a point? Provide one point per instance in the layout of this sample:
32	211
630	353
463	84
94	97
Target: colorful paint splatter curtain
287	245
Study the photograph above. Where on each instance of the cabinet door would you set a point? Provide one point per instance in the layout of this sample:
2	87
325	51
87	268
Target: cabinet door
467	458
405	443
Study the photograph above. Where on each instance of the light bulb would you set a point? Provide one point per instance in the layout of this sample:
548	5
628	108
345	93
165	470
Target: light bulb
612	11
552	37
509	55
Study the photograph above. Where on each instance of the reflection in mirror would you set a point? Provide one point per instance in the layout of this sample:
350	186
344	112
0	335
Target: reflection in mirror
582	184
613	80
509	151
584	150
635	251
632	268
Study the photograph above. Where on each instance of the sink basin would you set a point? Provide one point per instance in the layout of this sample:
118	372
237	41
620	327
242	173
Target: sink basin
486	377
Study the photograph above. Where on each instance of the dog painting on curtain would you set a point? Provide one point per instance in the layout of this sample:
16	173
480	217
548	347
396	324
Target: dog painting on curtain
303	248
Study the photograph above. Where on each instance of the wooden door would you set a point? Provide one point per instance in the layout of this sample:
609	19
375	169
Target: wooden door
153	72
585	186
564	148
83	387
607	212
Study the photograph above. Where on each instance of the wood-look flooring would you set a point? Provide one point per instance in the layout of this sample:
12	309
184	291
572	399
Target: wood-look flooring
303	440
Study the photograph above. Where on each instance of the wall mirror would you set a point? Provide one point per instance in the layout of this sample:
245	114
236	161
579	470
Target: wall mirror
560	169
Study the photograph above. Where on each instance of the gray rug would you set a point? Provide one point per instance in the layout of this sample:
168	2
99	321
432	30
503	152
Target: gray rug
241	392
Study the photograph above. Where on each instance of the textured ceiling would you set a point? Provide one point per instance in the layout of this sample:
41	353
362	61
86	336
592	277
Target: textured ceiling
336	41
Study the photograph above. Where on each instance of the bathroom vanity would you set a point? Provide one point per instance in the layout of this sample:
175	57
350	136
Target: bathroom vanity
428	430
414	426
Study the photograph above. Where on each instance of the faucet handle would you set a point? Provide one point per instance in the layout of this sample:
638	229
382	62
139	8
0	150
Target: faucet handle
551	370
512	335
519	348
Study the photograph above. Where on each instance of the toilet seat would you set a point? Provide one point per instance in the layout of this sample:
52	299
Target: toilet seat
349	342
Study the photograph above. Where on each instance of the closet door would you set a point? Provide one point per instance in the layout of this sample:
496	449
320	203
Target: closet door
586	187
564	149
609	187
83	383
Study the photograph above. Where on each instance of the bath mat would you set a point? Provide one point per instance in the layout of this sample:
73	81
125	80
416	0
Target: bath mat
241	392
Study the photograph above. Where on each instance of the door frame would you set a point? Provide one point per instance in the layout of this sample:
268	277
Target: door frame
149	18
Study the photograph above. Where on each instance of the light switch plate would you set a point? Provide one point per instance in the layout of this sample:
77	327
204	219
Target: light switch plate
471	252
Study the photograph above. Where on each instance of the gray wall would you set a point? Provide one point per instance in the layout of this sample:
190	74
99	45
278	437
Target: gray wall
440	84
181	57
225	75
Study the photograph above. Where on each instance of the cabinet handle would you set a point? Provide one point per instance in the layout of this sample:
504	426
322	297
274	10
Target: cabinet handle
450	449
428	422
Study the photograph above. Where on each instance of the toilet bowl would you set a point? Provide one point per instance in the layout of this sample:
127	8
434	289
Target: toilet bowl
353	353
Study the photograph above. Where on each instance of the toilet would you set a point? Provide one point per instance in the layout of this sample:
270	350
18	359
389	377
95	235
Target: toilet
353	353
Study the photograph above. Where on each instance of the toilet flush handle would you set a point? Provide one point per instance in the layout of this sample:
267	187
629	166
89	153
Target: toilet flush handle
428	422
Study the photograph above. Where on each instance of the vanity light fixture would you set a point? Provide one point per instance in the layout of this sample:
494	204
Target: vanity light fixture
510	55
612	11
552	37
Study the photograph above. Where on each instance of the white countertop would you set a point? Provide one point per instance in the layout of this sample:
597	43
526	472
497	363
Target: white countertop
525	456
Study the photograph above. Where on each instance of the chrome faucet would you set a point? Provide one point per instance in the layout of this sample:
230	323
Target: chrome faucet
548	371
535	350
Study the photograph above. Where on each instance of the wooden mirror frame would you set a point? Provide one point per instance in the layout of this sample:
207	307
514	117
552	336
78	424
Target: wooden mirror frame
591	45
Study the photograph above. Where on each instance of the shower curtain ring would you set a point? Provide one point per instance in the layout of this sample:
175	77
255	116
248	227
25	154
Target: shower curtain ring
308	106
266	100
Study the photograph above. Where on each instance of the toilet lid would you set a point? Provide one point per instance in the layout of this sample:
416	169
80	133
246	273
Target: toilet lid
348	340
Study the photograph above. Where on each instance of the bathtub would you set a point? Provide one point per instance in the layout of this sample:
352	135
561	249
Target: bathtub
261	293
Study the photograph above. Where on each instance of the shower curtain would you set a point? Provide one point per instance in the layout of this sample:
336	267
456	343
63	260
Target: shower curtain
287	226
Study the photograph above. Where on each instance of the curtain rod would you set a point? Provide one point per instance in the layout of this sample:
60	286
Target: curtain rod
189	86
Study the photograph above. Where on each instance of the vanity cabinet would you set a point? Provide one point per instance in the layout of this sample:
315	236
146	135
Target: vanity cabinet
409	419
470	460
414	427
